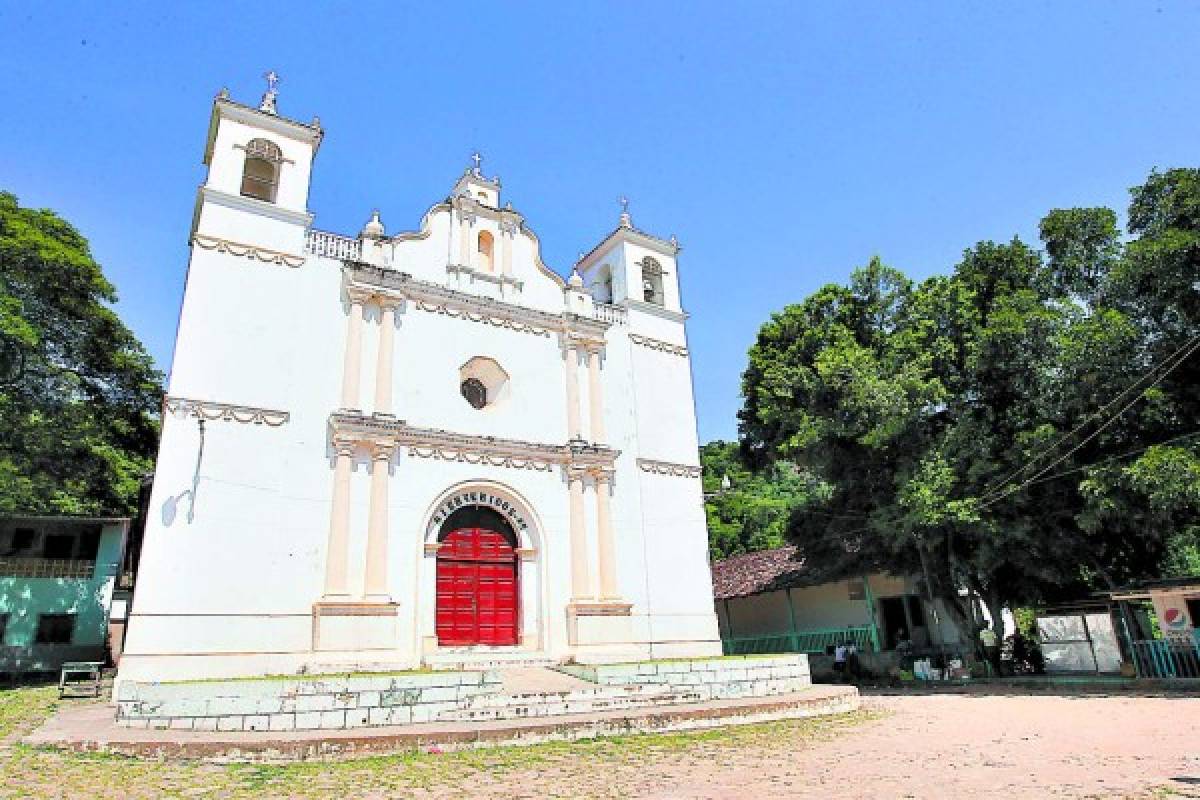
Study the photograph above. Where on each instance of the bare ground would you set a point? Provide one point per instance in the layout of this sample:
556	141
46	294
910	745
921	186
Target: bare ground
905	746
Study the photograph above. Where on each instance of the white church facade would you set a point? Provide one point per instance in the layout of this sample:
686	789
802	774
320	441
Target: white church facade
390	450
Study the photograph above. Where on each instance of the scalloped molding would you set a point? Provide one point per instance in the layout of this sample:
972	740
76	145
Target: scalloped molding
668	468
208	410
659	344
431	297
432	443
247	251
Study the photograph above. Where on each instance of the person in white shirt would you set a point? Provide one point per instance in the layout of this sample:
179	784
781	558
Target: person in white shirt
839	661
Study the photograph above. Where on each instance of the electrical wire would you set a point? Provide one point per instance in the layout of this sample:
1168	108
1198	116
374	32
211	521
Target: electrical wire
1166	364
1095	433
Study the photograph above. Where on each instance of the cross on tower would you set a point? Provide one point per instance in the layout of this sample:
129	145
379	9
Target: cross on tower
478	159
624	201
268	99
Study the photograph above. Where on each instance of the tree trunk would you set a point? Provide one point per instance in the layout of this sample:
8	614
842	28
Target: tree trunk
995	608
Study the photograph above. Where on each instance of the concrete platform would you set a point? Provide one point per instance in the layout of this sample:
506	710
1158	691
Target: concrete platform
92	728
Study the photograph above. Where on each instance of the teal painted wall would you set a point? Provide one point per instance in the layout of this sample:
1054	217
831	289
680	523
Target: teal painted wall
24	599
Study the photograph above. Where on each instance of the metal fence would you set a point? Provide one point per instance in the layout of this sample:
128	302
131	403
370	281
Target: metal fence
817	641
1162	658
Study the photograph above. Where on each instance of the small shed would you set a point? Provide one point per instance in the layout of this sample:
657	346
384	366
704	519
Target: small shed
1163	619
57	580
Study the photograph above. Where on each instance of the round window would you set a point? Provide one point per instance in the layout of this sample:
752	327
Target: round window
475	392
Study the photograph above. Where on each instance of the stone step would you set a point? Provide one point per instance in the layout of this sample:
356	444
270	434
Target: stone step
554	704
575	695
486	660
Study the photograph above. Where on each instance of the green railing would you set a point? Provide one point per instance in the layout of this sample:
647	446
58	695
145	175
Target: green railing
817	641
1159	658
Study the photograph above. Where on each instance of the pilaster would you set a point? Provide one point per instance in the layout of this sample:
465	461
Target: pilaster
376	580
383	366
352	362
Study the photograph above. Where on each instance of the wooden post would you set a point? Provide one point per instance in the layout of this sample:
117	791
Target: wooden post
792	621
869	599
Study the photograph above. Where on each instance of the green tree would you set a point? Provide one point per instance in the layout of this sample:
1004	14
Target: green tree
748	511
78	393
1025	426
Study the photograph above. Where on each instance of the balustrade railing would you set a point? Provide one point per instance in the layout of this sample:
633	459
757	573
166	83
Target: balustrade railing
324	243
610	313
46	568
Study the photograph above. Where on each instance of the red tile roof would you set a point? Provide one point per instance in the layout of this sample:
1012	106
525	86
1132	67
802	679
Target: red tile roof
752	573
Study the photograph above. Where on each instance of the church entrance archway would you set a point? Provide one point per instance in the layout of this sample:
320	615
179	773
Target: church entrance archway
477	579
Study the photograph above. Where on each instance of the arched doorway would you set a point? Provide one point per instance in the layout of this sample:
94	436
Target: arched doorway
476	579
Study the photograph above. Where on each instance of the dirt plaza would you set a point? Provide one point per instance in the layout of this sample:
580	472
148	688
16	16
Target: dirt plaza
961	745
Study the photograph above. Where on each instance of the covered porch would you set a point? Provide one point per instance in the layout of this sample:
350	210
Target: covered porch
772	602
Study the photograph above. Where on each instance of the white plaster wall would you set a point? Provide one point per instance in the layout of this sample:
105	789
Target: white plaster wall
757	615
235	546
228	159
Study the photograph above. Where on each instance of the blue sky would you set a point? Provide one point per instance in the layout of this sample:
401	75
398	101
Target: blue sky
784	144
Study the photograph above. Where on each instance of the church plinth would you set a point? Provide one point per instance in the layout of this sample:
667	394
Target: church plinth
353	625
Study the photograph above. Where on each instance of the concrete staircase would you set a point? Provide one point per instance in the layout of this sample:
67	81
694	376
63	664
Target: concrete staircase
558	694
532	692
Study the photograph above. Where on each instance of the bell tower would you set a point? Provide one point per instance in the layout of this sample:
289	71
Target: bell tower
634	269
259	165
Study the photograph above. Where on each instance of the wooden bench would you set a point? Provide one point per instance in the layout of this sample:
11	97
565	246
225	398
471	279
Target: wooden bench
90	670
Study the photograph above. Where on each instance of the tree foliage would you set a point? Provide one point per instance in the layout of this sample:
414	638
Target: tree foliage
1027	426
78	393
748	511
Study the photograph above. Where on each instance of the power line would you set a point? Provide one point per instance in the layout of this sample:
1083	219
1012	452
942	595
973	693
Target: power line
1104	461
1096	432
1166	363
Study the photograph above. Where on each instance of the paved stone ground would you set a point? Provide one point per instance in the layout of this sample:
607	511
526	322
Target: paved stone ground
975	745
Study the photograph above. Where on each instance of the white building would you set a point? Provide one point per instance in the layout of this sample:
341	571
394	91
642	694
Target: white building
390	450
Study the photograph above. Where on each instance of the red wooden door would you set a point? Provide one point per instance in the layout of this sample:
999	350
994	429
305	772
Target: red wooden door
476	588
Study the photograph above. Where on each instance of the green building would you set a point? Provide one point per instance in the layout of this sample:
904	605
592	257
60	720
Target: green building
57	580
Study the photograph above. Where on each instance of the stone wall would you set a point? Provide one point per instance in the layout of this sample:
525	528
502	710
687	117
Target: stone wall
327	702
712	678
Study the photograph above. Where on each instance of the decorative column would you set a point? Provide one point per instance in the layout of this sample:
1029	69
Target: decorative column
383	364
581	582
606	551
339	522
596	395
352	364
375	584
572	364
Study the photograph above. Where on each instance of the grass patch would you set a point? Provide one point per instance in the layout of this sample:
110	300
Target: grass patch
25	708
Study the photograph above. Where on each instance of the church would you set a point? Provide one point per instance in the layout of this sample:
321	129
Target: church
395	450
